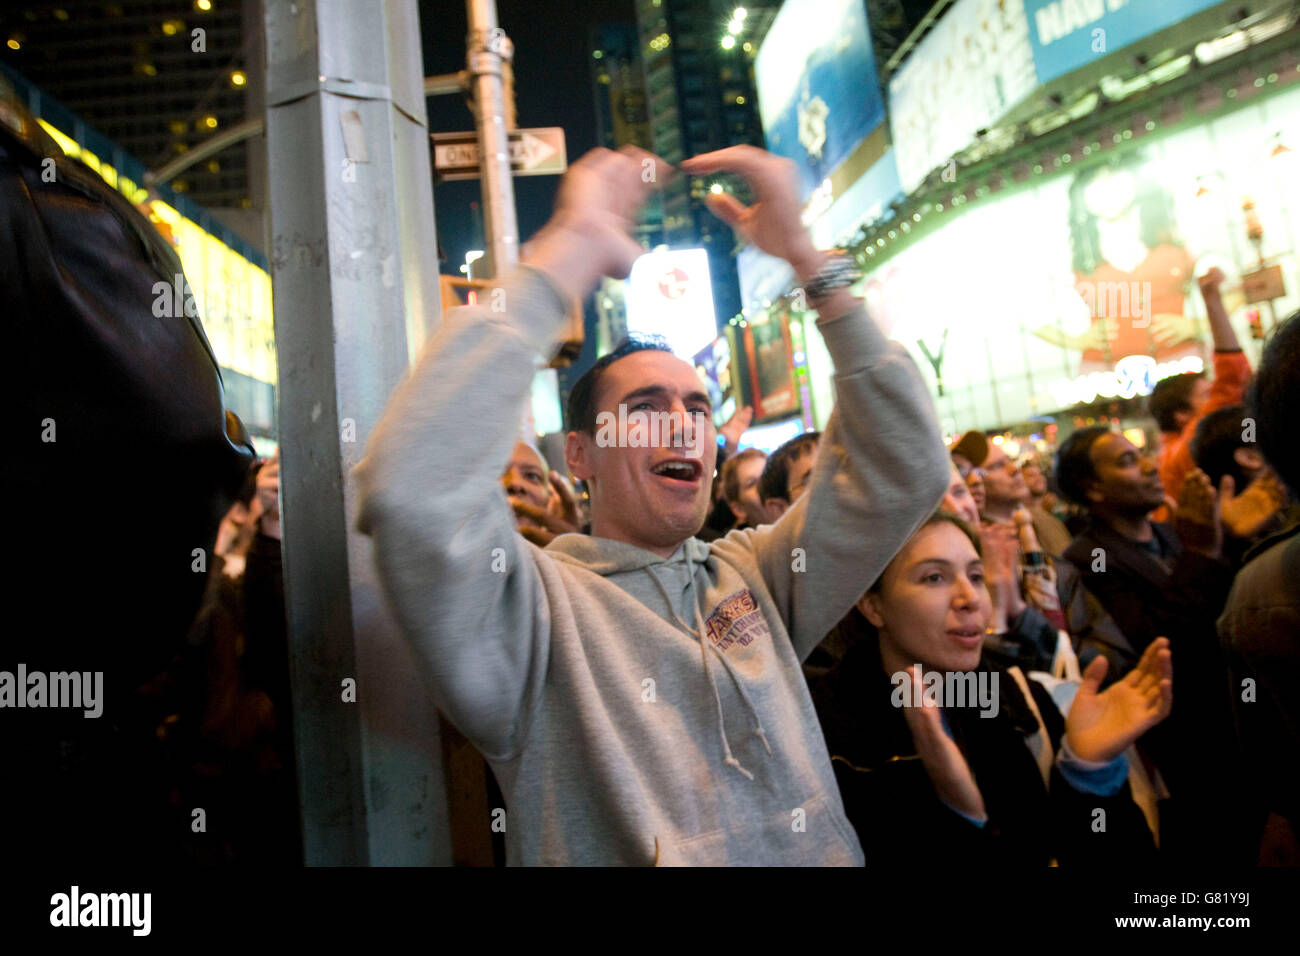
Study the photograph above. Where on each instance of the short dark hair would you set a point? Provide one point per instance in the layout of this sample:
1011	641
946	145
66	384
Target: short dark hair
1275	400
1073	470
1170	396
775	481
730	478
1217	438
582	399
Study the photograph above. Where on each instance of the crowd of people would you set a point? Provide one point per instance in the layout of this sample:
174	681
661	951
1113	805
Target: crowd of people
806	616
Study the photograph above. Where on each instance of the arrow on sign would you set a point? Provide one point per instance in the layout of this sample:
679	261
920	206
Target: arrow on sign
533	152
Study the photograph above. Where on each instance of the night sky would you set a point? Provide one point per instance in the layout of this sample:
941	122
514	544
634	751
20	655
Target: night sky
553	88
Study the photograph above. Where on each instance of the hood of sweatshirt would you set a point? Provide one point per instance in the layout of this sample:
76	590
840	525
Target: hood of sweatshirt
670	583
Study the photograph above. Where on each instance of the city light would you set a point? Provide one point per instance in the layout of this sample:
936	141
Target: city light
597	54
715	188
238	78
204	5
734	27
740	13
172	27
14	44
210	121
727	42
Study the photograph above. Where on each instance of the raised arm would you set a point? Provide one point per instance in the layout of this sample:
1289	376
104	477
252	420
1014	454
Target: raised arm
881	468
466	587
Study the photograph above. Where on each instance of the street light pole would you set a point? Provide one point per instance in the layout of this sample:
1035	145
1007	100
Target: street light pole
488	49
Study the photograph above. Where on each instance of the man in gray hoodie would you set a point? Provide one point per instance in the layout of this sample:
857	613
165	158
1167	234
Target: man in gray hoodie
638	692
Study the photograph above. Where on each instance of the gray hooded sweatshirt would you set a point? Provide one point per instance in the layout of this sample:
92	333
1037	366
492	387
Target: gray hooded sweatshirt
638	710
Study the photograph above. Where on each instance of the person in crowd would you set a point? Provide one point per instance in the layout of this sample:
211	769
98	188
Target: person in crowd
1005	491
542	500
1251	498
985	764
721	518
1261	620
636	691
227	729
740	477
973	476
237	529
785	475
1179	402
1051	531
1158	580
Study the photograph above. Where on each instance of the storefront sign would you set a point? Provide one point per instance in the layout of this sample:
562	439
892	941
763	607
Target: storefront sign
1264	285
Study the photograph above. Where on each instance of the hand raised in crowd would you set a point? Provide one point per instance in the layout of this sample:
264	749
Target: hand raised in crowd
942	758
1001	549
736	426
1197	519
1212	282
1102	725
773	222
589	234
561	516
1246	513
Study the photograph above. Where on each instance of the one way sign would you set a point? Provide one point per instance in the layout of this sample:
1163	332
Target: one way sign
533	152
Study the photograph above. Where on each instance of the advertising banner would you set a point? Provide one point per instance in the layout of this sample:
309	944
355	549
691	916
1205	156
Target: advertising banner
1084	284
1069	34
818	91
969	72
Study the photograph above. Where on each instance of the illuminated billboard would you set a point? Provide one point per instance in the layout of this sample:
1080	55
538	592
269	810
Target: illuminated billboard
968	72
818	92
669	293
1083	284
1067	35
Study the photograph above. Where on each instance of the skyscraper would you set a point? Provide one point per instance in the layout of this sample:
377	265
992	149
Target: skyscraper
158	77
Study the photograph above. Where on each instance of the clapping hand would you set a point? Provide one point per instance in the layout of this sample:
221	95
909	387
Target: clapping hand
1102	725
948	770
1244	514
1197	519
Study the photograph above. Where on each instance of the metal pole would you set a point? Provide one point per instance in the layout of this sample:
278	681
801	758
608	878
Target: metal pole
488	47
354	269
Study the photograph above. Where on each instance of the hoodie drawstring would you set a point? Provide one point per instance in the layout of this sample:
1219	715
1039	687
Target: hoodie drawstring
705	645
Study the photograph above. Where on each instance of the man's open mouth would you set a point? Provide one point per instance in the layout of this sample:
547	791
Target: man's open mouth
678	469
